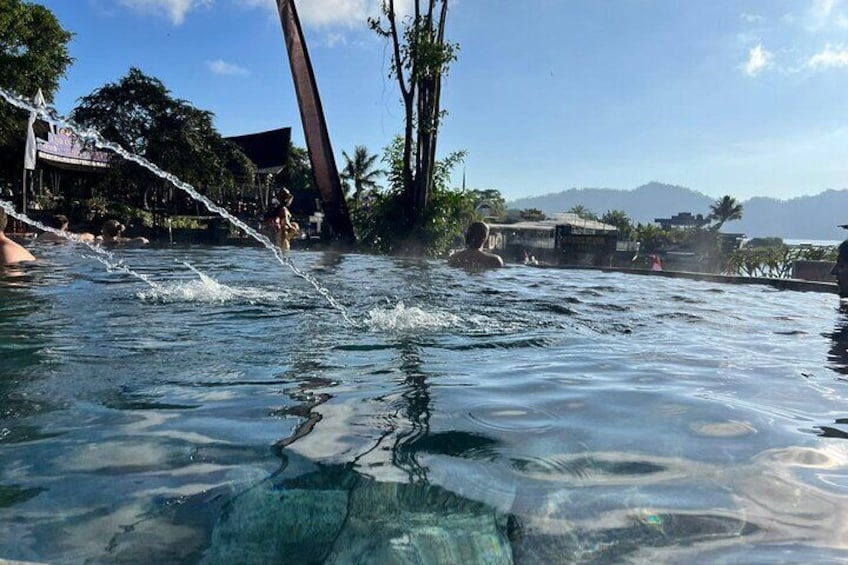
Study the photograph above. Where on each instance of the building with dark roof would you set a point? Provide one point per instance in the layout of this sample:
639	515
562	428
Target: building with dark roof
268	150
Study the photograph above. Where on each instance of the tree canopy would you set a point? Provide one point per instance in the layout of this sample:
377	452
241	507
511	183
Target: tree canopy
724	210
139	113
360	170
33	54
420	59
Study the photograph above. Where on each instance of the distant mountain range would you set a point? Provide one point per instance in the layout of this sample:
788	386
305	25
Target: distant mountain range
805	217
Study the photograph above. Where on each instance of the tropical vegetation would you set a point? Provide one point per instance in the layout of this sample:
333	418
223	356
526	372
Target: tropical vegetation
420	58
33	55
139	113
360	170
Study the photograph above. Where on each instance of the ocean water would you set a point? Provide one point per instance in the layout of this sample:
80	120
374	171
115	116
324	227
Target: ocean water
225	412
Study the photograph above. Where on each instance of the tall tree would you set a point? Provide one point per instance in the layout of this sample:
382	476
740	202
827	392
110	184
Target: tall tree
583	212
490	199
33	54
420	58
139	113
360	170
724	210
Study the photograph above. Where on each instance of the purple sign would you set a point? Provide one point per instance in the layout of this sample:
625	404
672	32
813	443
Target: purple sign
62	146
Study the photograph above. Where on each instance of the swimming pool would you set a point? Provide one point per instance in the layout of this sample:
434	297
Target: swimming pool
515	416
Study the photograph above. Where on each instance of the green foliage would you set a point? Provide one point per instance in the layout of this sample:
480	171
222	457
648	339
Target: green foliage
420	58
774	261
490	199
583	212
140	114
531	215
764	242
652	237
620	220
380	222
297	174
360	171
724	210
184	223
33	54
130	215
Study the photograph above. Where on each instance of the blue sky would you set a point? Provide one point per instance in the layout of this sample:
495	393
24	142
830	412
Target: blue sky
740	97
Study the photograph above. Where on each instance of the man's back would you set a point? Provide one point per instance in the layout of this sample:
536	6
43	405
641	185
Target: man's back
475	259
11	252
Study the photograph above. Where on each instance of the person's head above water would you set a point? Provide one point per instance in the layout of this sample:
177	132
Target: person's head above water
840	270
476	235
113	232
112	228
58	222
473	256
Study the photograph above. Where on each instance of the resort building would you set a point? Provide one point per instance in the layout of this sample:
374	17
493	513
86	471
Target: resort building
682	220
563	239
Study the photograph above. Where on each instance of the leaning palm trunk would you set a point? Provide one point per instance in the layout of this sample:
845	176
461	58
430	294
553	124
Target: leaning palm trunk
320	149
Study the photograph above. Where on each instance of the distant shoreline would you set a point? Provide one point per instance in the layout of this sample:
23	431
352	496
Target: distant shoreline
812	242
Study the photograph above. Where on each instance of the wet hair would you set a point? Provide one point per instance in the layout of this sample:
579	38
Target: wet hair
4	219
58	221
476	234
112	228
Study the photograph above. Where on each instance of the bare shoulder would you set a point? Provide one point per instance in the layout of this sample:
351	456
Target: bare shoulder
11	252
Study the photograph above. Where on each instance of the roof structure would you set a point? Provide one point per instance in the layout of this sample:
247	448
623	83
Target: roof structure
560	219
268	150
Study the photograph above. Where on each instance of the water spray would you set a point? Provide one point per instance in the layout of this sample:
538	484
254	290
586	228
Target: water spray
94	137
104	256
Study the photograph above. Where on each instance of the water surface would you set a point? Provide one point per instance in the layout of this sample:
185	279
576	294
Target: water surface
515	416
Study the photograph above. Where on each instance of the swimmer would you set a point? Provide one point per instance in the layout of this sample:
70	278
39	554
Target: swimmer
60	222
473	256
112	232
10	251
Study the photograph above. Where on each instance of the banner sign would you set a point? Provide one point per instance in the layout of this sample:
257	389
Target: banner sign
62	146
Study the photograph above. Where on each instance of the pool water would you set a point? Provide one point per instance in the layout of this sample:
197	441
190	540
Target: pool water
227	413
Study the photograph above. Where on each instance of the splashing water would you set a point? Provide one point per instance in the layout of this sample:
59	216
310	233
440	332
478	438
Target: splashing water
93	136
102	255
403	318
208	290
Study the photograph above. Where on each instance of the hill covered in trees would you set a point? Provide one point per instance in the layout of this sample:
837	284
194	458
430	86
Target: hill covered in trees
805	217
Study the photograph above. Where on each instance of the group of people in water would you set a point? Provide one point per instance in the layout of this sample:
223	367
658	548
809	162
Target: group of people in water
283	229
112	232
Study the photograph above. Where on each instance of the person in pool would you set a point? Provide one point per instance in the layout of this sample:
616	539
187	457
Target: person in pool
840	270
10	251
473	256
112	232
60	222
280	224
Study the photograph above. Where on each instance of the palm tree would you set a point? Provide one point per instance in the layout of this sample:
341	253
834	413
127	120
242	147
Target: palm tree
583	212
620	220
724	210
360	170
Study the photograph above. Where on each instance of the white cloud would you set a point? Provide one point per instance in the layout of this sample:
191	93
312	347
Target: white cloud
174	10
831	56
826	14
758	60
221	67
332	13
751	18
